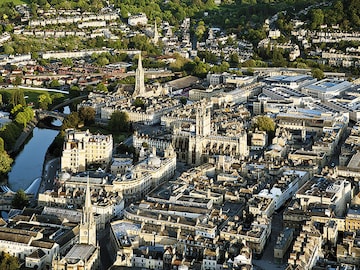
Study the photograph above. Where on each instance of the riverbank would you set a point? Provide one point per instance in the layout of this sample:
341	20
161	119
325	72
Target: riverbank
23	136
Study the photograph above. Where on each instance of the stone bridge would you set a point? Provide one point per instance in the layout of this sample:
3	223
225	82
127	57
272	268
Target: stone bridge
43	114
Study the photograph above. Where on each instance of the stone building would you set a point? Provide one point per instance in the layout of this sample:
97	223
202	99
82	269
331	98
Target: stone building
82	148
85	254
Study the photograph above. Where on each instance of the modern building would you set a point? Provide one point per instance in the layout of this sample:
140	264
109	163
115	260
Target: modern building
285	187
326	88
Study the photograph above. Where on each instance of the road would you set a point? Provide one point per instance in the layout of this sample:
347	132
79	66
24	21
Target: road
267	260
47	183
49	174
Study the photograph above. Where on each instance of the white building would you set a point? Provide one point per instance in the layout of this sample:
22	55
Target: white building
82	148
285	187
138	19
326	88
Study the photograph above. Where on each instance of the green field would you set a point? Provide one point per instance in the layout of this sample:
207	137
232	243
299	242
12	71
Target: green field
30	95
16	2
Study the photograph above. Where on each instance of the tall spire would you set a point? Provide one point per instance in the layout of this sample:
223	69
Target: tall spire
87	225
139	79
156	34
139	62
87	206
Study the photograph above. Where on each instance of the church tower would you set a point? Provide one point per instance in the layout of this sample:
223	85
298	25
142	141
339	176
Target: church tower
203	120
88	224
139	80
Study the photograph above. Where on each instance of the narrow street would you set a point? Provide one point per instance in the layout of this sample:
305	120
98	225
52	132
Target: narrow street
267	260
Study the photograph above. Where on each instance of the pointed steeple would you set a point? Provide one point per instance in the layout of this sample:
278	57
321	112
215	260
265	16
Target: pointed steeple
139	62
156	34
88	224
139	79
87	212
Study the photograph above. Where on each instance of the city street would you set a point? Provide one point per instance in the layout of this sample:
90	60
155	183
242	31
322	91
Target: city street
49	174
267	260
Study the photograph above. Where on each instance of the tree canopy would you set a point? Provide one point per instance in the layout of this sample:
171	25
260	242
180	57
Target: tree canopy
8	262
119	122
264	123
87	114
5	160
20	200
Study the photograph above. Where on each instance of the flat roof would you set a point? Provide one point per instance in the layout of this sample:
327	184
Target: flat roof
329	85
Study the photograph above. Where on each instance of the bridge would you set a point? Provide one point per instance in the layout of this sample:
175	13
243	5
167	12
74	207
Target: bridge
43	114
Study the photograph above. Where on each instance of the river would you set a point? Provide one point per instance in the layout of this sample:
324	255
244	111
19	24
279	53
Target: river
28	165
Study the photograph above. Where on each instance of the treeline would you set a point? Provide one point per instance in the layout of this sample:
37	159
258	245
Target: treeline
345	13
21	115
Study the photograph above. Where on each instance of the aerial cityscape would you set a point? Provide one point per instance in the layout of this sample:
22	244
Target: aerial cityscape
168	134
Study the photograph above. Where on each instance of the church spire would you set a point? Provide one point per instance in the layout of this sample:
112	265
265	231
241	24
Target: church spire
87	225
156	34
139	79
87	212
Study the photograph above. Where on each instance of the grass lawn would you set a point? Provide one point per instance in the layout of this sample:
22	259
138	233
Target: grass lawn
30	95
16	2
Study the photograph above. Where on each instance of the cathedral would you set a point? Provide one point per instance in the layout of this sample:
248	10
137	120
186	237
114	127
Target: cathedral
195	139
201	142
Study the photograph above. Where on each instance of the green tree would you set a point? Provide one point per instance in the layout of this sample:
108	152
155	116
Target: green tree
138	102
17	97
317	17
264	123
29	112
67	62
5	161
234	60
8	49
101	87
17	80
44	100
20	200
102	61
8	262
87	114
71	121
317	73
183	100
119	122
74	91
16	109
200	30
10	133
54	84
21	119
2	145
